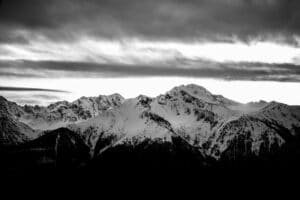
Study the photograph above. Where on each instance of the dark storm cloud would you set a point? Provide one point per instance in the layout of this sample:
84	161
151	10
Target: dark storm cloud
156	19
198	68
24	89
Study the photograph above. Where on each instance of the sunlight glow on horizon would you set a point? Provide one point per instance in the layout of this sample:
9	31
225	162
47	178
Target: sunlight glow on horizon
241	91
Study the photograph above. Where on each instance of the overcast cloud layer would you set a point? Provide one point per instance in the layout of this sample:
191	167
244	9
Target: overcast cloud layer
222	39
216	20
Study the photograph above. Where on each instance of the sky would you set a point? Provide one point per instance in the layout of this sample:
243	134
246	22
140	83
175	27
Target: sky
246	50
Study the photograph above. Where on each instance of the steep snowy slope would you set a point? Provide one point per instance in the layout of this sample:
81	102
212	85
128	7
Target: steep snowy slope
12	132
243	136
258	132
62	113
193	111
132	120
282	115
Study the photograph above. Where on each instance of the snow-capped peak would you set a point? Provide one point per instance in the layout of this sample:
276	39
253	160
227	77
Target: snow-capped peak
194	90
200	93
207	121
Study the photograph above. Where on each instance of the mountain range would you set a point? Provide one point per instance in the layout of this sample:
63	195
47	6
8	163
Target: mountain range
187	126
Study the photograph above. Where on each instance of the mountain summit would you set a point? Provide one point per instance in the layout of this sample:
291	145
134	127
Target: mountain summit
187	119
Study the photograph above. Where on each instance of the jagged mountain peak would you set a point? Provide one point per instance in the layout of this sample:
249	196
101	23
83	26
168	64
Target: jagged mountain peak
57	104
116	95
193	89
142	96
61	113
275	104
201	93
144	100
274	108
